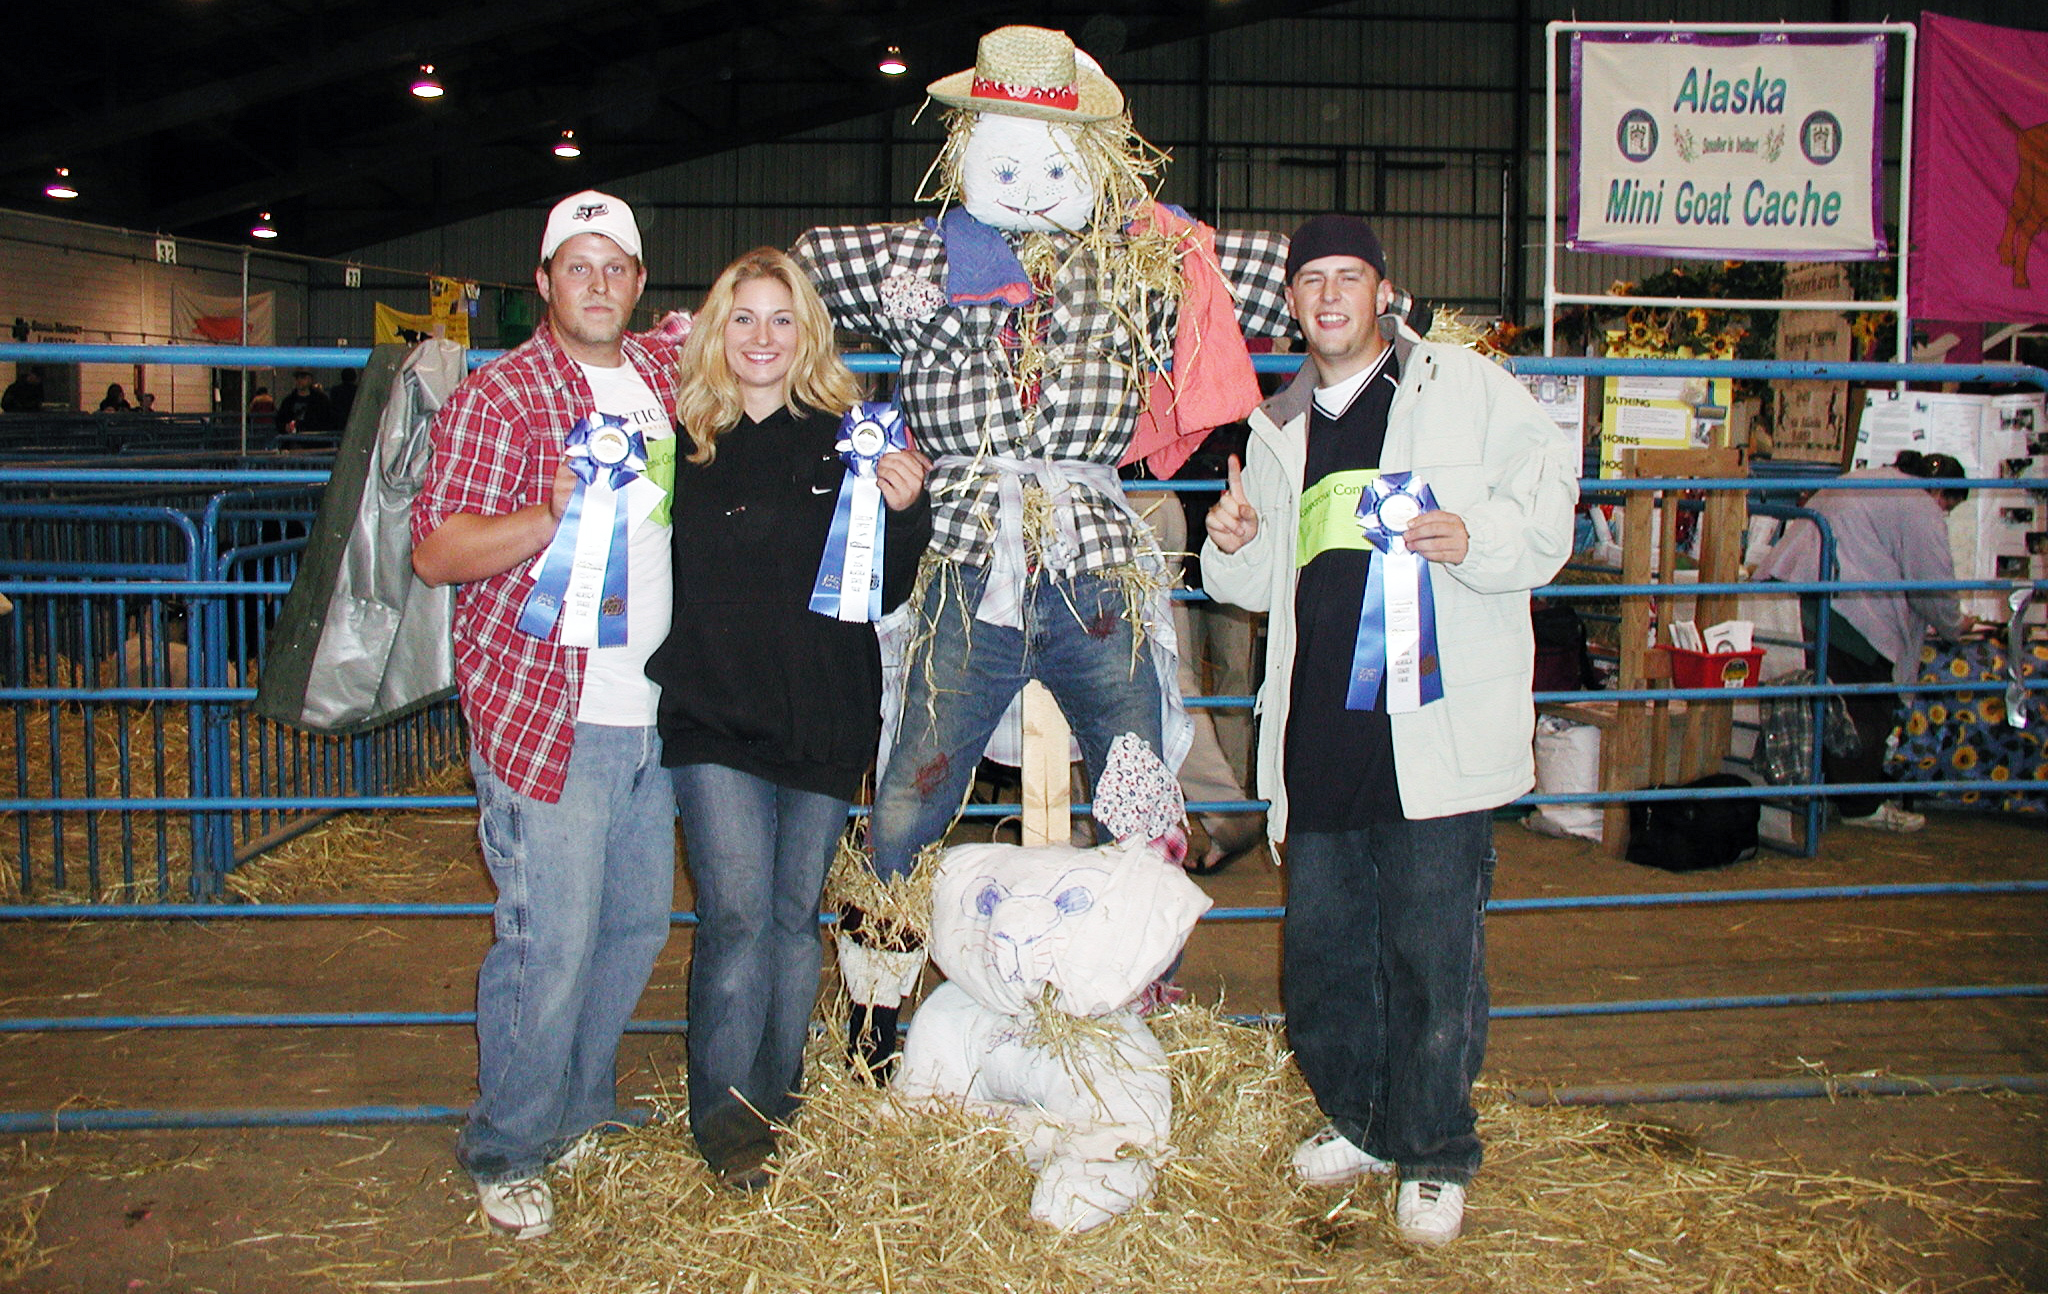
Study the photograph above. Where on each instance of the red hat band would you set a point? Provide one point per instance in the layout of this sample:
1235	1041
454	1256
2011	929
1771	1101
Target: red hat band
1055	96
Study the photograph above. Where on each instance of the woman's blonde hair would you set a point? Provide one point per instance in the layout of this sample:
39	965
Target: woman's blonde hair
708	401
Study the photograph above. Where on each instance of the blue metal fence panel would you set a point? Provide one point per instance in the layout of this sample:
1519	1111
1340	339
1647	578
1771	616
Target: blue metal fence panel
86	574
135	770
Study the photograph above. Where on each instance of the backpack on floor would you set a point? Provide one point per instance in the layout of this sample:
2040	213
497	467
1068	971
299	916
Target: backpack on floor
1691	834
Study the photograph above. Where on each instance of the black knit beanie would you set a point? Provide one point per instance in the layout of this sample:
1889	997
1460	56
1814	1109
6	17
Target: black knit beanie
1334	235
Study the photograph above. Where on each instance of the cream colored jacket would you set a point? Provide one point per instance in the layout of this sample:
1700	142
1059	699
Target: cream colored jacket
1490	455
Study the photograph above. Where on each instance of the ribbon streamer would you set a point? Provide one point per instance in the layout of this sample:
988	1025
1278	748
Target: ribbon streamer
581	579
1397	619
849	583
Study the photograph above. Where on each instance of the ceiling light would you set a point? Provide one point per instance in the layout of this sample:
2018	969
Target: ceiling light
425	86
61	187
263	228
567	146
892	63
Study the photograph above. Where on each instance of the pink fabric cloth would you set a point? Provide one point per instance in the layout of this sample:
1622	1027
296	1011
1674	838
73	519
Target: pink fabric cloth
1212	382
1980	173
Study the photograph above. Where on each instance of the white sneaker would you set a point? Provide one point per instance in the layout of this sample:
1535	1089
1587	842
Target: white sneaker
522	1209
1888	817
1329	1159
575	1152
1429	1213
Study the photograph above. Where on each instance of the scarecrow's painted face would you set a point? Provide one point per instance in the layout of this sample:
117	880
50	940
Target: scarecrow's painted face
1025	174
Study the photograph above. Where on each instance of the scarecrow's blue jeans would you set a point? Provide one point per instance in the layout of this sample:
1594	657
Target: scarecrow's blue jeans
585	886
1384	979
757	853
1077	639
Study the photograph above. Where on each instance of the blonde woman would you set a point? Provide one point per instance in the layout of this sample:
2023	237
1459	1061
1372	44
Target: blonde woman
769	712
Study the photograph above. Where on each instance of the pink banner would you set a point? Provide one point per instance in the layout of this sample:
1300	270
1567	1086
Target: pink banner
1980	173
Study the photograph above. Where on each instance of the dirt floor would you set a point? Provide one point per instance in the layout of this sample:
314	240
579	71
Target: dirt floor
383	1207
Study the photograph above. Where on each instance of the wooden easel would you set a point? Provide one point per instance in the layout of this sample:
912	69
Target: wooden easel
1635	744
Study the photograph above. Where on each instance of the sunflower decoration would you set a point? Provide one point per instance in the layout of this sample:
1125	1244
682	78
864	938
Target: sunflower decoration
1696	333
1964	757
1937	714
1916	724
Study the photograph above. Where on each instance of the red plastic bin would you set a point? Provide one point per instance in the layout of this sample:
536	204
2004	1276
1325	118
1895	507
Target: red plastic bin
1714	669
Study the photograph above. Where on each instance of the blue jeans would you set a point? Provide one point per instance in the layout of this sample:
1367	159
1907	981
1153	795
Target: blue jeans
758	854
1077	640
1384	976
585	886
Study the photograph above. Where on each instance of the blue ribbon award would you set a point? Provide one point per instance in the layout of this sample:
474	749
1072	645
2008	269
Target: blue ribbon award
580	580
1397	620
849	583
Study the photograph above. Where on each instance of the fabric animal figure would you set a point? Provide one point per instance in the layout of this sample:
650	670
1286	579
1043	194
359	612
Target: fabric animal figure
1078	932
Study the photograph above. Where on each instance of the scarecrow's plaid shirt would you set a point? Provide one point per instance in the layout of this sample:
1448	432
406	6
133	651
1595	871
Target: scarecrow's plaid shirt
497	443
888	281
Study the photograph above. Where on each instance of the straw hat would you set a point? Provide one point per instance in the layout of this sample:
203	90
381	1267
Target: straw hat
1031	72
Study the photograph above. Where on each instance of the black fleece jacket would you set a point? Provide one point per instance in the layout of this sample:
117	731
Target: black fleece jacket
751	678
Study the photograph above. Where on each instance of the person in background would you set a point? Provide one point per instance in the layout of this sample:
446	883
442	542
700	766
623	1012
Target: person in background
145	402
574	813
304	407
342	399
1874	637
770	711
114	401
261	401
1206	773
25	393
1388	817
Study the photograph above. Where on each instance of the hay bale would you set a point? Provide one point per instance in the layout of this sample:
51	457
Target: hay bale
869	1198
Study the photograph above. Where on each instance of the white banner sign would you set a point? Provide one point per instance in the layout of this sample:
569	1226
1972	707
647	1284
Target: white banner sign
1760	147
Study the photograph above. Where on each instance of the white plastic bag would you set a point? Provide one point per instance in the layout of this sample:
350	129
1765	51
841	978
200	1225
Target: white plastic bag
1567	761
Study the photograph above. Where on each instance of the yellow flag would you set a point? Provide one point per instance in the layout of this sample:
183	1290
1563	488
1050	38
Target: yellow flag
397	326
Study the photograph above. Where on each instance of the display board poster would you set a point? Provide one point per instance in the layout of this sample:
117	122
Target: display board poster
1659	413
1759	147
1810	419
1928	422
1562	397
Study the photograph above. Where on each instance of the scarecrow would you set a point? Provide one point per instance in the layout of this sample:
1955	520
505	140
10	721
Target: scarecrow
1054	322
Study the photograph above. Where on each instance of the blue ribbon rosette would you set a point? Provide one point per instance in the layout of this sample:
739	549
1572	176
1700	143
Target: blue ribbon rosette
1397	621
580	579
849	583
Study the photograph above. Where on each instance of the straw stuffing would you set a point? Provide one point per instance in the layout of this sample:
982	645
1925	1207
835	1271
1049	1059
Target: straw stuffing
868	1197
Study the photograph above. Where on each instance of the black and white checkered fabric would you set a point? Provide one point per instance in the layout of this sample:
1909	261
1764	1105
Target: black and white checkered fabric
956	386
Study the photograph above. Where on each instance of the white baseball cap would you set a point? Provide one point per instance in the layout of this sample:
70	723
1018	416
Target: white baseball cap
591	212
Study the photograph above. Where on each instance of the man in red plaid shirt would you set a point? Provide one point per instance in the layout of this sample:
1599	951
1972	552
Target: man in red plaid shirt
575	812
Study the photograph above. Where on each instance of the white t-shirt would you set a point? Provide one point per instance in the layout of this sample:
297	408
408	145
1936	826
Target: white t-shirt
616	689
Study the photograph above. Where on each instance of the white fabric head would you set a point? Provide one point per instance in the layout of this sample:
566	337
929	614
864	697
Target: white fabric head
1096	924
1025	174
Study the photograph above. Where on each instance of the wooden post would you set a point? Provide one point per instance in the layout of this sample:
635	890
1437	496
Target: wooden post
1048	802
1641	731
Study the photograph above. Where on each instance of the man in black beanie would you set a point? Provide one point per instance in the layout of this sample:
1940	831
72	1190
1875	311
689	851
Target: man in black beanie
1397	502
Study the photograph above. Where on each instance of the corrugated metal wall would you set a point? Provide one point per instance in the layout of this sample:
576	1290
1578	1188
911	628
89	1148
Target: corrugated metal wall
1387	109
65	281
